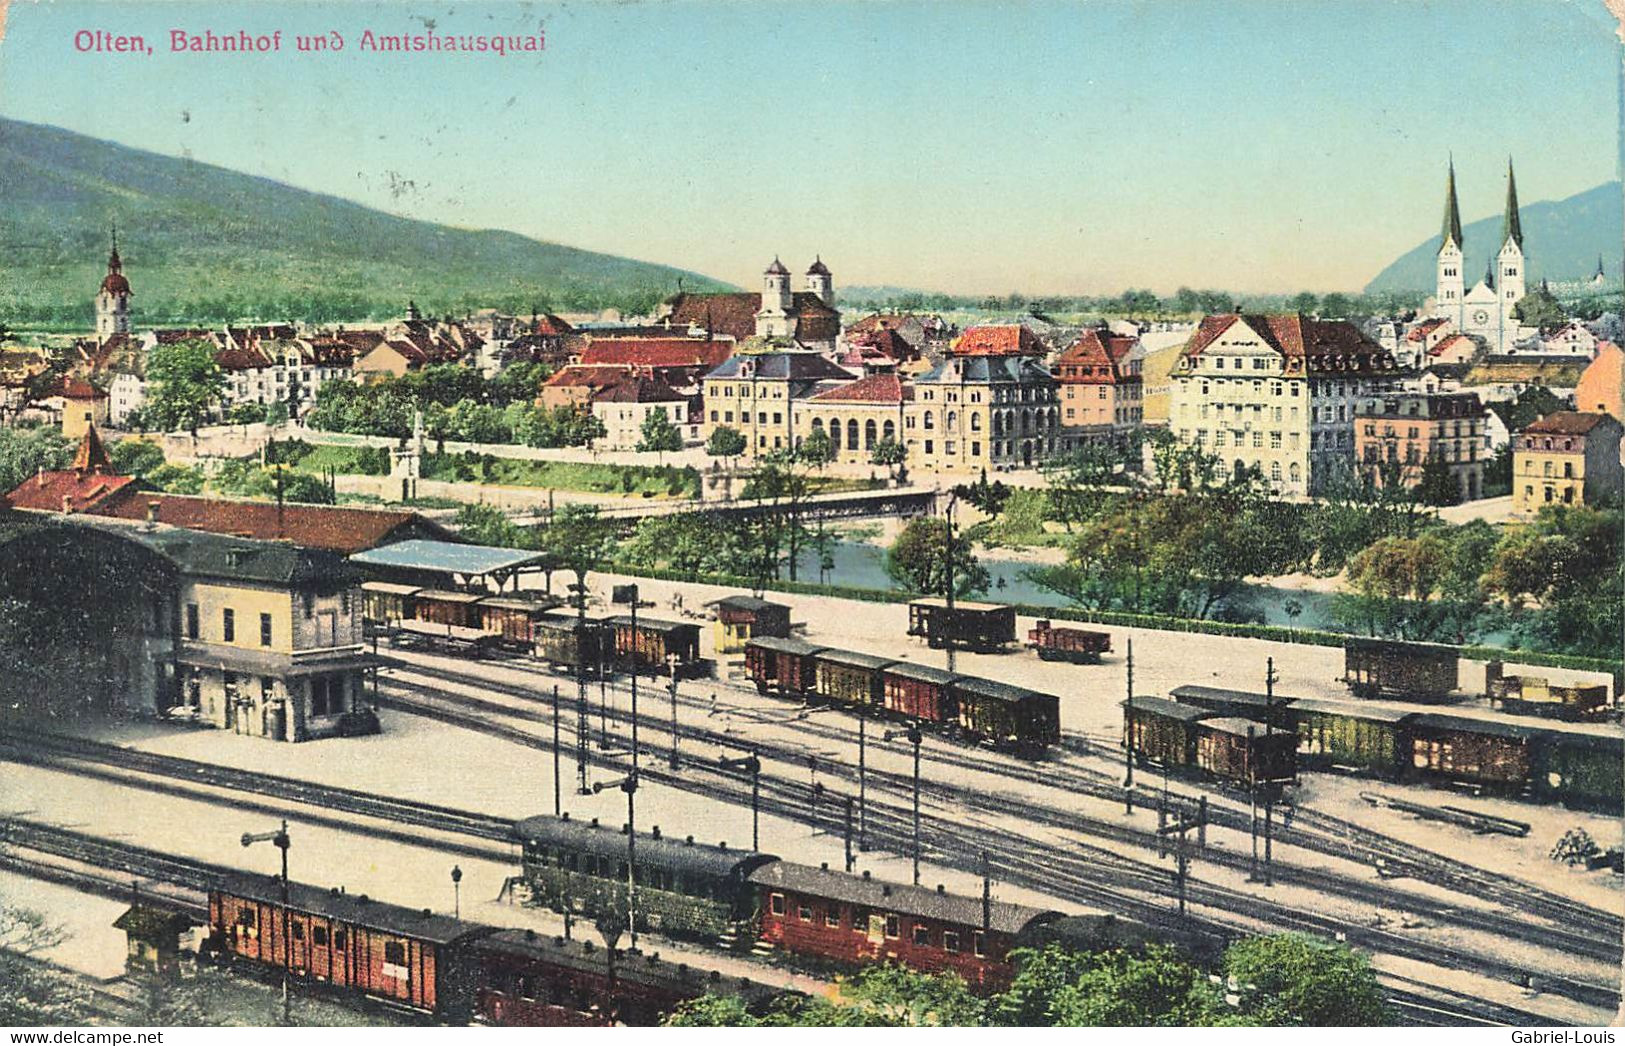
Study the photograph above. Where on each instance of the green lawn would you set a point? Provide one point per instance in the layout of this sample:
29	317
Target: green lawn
630	480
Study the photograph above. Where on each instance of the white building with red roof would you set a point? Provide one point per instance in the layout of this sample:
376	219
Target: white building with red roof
1276	394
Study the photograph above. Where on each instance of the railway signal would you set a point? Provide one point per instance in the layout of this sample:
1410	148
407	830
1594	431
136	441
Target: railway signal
629	785
914	737
751	764
628	594
1182	858
279	839
582	709
850	860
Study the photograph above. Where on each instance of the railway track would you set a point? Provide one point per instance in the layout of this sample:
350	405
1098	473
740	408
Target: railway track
1073	879
1312	830
1568	931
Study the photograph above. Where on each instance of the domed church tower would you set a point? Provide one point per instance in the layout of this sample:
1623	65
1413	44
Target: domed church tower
113	299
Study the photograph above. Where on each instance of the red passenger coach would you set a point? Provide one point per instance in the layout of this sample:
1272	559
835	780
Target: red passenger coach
346	940
919	692
814	911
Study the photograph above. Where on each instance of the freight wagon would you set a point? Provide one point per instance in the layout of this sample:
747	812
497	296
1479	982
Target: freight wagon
1161	732
645	644
565	639
385	602
982	627
1077	645
847	678
1480	752
743	618
1537	696
1579	769
515	620
782	666
921	692
1245	752
1338	735
1005	714
1411	671
445	607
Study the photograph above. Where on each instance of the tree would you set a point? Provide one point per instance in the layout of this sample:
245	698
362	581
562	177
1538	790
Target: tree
578	540
1336	306
488	525
659	434
816	450
135	457
277	413
917	562
1540	308
1078	483
23	452
1304	302
1293	979
184	385
31	995
890	454
1438	485
725	442
989	498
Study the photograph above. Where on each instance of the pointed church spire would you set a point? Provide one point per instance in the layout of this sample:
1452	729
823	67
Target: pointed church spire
1600	272
1489	272
92	456
1511	227
1451	233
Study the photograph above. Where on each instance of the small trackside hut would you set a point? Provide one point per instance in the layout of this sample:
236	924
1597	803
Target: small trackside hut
857	920
743	618
983	627
782	666
1386	668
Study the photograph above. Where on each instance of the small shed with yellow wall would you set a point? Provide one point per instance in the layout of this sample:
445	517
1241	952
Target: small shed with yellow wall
742	618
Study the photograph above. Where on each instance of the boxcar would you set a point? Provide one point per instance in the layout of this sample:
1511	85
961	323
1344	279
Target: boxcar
1078	645
1383	668
859	920
1241	751
448	608
782	666
1247	704
644	647
848	678
1481	752
526	979
385	602
743	618
401	955
1579	769
1356	737
513	619
564	639
918	692
983	627
1006	714
1161	731
685	889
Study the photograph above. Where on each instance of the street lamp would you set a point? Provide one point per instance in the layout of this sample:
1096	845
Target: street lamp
912	734
751	764
456	892
279	839
629	785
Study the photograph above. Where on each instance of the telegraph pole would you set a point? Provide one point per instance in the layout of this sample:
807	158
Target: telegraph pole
863	791
1128	736
1269	791
753	765
949	632
629	594
583	711
558	793
914	737
629	785
671	667
848	834
1182	858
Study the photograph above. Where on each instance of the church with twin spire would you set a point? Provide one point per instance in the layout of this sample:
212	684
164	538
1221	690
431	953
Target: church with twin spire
1486	311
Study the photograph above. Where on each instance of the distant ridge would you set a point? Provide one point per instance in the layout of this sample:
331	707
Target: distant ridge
1562	240
207	244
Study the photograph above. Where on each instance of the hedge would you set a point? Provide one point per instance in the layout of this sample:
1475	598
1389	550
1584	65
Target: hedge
1156	622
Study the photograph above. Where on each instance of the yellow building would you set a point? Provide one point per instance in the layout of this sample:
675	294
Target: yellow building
743	618
753	393
1566	458
83	406
982	412
856	415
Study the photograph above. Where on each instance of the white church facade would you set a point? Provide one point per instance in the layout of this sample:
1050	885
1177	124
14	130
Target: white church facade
1484	312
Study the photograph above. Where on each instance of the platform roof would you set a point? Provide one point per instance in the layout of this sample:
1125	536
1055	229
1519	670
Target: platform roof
448	557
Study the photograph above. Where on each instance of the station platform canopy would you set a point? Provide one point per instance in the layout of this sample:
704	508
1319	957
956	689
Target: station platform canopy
465	564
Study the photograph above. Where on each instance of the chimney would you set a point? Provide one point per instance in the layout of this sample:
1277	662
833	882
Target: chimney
152	512
39	475
67	503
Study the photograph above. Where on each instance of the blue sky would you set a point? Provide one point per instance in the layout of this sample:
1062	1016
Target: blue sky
978	147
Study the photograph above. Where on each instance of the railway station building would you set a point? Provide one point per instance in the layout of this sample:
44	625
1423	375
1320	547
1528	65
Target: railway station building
106	616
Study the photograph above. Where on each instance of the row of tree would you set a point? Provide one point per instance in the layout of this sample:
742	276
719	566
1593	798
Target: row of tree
1286	980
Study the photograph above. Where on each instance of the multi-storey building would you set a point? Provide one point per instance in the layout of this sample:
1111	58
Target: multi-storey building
754	393
1100	387
1275	395
1566	458
982	412
1397	435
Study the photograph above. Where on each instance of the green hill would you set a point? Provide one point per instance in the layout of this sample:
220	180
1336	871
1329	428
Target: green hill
206	244
1561	238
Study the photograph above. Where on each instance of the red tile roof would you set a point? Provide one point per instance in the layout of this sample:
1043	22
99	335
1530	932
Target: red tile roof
657	352
733	314
1423	329
343	530
885	341
638	390
876	388
88	483
550	325
1001	340
242	359
1093	359
597	376
80	389
1567	423
1446	344
1318	345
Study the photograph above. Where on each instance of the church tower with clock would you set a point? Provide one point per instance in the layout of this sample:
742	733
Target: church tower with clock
1486	311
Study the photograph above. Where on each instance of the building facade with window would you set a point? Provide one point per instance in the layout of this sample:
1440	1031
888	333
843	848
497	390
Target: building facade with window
755	392
857	416
1566	458
1100	387
1396	436
1276	394
983	412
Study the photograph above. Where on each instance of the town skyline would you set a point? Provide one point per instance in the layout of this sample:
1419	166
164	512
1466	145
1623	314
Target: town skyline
949	218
